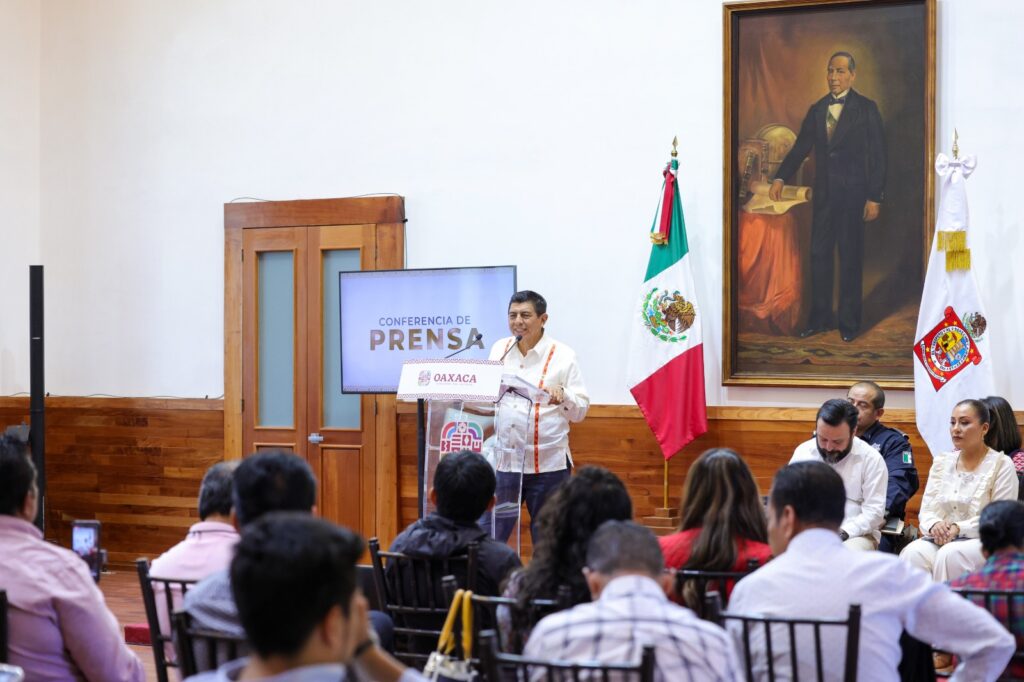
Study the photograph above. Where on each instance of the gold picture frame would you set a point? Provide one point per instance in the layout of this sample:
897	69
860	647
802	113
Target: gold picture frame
777	57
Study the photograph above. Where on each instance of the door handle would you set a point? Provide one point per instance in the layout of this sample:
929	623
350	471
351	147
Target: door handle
315	438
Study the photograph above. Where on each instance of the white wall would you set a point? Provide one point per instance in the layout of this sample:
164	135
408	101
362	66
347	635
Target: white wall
19	183
531	133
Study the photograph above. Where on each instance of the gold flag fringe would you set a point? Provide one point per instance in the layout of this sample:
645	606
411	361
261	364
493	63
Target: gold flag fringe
958	260
658	238
952	240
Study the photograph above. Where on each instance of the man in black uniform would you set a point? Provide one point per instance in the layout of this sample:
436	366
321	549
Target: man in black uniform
892	444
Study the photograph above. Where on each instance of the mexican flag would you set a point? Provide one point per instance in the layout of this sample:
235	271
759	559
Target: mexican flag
665	369
951	351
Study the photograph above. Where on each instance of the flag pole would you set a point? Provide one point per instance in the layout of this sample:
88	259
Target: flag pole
664	496
664	478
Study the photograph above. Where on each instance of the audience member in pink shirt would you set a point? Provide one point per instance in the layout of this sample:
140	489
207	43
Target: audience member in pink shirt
59	627
206	549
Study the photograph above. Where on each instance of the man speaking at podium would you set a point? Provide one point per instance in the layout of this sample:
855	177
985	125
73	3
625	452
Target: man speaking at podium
534	356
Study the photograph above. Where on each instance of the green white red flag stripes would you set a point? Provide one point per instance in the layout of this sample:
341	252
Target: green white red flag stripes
665	369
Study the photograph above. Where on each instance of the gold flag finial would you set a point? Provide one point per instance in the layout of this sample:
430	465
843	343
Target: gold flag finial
675	143
956	145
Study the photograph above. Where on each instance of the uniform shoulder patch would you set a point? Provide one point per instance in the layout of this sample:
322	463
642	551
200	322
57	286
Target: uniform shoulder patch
907	457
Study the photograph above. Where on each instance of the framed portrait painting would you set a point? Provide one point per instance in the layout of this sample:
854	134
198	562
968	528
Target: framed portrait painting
829	192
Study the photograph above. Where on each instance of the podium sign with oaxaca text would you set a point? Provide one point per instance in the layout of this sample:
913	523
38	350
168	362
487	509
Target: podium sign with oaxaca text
388	317
455	379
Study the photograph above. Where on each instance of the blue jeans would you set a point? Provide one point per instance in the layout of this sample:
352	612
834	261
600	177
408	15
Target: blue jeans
537	488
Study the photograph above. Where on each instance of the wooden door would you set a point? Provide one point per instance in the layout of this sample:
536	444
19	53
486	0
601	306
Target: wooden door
274	361
342	426
282	348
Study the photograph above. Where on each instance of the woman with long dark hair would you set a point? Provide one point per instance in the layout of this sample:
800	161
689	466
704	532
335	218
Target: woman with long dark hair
723	525
1004	436
566	522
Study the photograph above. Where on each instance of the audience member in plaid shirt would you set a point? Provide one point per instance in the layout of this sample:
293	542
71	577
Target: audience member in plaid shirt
1002	542
625	574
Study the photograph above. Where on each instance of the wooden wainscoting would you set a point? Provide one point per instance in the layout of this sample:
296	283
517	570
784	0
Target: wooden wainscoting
134	464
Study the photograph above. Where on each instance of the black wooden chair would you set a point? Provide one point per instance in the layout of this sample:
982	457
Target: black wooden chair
780	628
501	667
692	586
161	597
199	650
1007	606
3	626
410	590
364	578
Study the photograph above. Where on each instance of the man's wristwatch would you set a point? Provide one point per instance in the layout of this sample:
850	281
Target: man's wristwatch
843	535
372	640
363	647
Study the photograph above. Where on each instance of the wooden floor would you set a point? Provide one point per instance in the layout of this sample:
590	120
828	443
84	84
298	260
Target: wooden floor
121	588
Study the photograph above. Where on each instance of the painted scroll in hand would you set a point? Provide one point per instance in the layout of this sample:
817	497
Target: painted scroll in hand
759	201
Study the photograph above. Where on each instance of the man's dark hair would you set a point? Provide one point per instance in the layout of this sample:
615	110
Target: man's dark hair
1002	525
464	483
289	570
624	546
274	480
17	474
215	490
878	401
835	412
849	58
540	306
814	490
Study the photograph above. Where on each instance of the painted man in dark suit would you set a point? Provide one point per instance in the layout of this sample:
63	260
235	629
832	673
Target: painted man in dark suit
845	130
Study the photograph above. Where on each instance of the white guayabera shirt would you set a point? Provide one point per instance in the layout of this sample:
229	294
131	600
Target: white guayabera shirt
544	429
865	478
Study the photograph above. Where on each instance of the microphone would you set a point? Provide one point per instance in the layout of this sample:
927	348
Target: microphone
519	337
471	342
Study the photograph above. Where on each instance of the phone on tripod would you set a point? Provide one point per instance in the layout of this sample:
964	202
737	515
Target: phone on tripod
85	542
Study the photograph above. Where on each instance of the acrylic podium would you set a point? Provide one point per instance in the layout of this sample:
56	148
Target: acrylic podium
461	399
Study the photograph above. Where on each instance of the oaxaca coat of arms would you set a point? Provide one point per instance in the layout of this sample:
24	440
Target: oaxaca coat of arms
947	349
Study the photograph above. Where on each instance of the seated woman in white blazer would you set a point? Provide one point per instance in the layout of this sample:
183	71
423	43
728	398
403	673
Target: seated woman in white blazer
960	484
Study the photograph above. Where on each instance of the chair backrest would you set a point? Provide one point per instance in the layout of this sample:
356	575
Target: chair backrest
364	578
780	638
486	617
497	666
410	590
161	597
200	650
1007	606
691	586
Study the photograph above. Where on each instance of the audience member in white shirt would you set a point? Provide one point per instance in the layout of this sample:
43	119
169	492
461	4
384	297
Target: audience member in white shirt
865	476
813	576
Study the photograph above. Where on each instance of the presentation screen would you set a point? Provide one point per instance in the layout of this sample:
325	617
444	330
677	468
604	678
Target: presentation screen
390	316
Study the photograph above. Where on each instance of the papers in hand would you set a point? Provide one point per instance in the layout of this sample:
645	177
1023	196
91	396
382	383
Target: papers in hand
510	383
